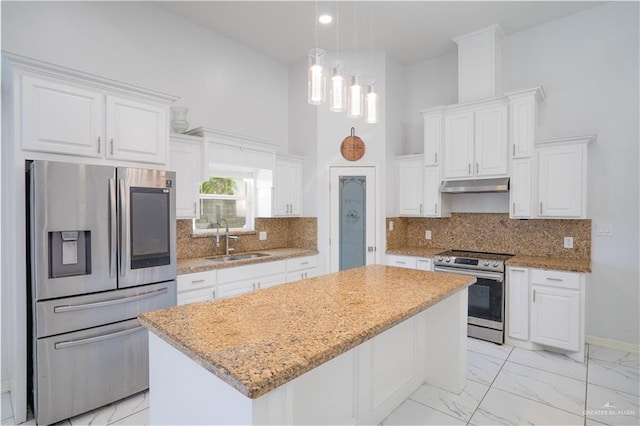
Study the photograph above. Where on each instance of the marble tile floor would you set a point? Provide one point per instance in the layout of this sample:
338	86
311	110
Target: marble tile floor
505	385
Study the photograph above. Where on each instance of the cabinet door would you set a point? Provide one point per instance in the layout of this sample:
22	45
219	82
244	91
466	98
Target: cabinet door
271	280
521	192
555	317
410	189
518	303
295	189
199	295
185	159
561	181
491	142
432	139
236	289
432	195
136	131
458	145
523	116
62	119
281	190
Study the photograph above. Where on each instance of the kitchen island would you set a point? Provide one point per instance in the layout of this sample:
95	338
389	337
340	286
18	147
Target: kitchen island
347	347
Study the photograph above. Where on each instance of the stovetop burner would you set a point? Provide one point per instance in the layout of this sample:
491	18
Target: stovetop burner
472	260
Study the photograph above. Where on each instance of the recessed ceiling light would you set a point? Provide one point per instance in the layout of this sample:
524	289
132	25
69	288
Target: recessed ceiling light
325	19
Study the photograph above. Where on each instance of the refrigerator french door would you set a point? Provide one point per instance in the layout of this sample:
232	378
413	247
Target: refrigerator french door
102	251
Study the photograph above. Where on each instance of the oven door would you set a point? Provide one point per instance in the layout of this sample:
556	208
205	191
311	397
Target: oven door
486	297
147	228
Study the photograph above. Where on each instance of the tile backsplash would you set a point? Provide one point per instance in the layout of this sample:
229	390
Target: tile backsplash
493	232
284	232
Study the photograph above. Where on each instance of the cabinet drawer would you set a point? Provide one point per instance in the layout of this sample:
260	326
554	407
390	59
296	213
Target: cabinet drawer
402	261
196	280
570	280
424	263
300	263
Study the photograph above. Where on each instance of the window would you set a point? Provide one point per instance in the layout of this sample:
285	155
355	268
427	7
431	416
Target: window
226	197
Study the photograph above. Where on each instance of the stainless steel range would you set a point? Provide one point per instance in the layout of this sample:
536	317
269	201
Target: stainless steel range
486	296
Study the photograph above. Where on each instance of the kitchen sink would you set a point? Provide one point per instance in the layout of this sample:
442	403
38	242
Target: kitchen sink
237	257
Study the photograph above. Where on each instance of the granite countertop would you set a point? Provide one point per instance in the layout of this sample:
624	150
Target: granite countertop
200	264
261	340
556	263
542	262
418	251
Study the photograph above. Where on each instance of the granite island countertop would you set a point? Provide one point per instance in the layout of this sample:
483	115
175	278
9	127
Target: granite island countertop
200	264
261	340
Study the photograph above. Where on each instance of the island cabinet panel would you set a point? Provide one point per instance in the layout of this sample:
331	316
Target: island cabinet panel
360	386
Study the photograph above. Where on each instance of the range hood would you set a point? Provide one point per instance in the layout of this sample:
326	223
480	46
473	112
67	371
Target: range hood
475	185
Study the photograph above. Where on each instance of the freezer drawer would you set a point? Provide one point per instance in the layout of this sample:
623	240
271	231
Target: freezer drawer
77	372
81	312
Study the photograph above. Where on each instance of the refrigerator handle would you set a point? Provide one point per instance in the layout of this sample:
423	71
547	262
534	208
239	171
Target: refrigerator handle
113	242
123	217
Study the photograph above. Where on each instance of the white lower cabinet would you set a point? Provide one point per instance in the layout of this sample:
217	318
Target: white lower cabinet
300	268
546	307
196	287
424	263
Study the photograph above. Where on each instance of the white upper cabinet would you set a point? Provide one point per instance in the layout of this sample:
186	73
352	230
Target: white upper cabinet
491	141
432	137
561	168
136	131
523	118
62	118
435	203
476	141
458	142
62	111
185	158
287	191
410	185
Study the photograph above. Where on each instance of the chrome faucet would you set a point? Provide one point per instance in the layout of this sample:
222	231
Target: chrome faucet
226	235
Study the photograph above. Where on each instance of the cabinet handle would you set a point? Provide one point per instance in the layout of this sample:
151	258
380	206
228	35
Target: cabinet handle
306	275
304	263
213	294
514	208
540	207
514	149
469	168
111	144
534	296
195	207
477	167
554	279
99	143
197	281
420	208
436	208
401	263
436	158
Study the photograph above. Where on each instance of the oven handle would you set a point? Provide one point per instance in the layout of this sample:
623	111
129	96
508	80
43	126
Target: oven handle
478	274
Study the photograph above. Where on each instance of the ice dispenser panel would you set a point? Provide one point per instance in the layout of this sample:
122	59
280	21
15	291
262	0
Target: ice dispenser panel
69	253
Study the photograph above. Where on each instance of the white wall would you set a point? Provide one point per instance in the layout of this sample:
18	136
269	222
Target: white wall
588	66
224	84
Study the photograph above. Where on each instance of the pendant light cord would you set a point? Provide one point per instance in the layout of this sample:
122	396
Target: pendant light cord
316	24
355	35
371	40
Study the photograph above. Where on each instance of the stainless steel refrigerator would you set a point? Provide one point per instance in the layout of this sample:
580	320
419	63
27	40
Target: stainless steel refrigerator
102	249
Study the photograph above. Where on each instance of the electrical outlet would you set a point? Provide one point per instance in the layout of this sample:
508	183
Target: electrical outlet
263	235
390	225
568	242
427	235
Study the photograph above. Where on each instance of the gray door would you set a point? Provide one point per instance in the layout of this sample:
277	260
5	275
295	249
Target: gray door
353	215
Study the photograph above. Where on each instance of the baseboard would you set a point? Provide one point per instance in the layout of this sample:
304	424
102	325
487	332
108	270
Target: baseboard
613	344
5	386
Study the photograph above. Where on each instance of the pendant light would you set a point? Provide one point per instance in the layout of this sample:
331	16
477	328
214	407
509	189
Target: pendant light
355	99
316	90
338	87
372	100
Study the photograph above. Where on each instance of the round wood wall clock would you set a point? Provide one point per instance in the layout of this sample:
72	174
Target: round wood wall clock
352	147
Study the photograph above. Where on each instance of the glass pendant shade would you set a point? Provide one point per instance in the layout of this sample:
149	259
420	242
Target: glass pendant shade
372	104
316	77
337	89
355	100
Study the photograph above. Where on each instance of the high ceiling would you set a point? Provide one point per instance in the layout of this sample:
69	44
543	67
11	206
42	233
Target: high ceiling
411	31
